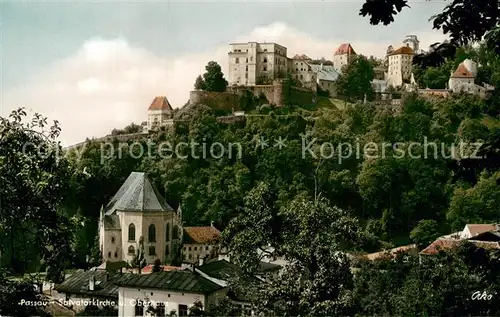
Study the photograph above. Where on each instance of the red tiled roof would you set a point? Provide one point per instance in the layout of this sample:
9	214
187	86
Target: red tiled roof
376	255
345	48
446	244
201	235
462	72
402	50
160	103
476	229
149	268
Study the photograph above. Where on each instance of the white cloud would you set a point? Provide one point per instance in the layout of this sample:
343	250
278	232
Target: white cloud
109	83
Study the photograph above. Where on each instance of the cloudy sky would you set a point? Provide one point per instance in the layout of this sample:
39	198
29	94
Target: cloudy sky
97	66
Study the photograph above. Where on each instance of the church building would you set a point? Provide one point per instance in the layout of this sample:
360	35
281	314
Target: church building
138	216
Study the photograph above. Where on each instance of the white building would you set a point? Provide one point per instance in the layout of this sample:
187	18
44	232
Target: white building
472	230
160	113
463	80
255	63
165	292
399	65
138	211
200	243
343	56
326	76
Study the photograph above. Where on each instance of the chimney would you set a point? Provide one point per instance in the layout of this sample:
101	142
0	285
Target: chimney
321	65
201	260
211	224
92	283
106	277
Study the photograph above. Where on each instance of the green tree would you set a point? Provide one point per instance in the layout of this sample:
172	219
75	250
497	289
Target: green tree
199	83
424	233
34	179
435	78
355	81
196	309
214	78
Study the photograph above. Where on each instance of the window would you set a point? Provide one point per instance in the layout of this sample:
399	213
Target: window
246	68
131	249
109	254
139	308
166	250
112	239
116	254
237	61
131	232
206	248
152	233
264	69
265	59
195	248
246	60
190	256
189	248
265	50
152	250
183	310
167	232
251	58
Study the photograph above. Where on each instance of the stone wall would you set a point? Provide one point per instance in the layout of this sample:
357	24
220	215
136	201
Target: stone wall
215	100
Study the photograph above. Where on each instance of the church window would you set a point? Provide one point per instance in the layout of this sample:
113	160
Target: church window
167	232
116	254
152	250
131	232
112	239
109	254
152	233
131	249
189	248
195	248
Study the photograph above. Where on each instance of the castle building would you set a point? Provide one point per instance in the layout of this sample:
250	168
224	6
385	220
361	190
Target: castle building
139	217
160	113
255	63
463	80
343	56
399	65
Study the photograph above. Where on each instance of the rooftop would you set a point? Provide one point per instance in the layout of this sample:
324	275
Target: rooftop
136	194
462	72
345	48
325	72
301	57
160	103
78	284
476	229
200	235
181	281
446	244
149	268
402	50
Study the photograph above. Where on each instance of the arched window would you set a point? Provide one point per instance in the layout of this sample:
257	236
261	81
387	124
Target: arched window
167	250
131	232
152	233
131	250
116	254
167	232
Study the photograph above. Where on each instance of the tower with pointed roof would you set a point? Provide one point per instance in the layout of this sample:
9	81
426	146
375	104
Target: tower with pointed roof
160	113
342	56
138	210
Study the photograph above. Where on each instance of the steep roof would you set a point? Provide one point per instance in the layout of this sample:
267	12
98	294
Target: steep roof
345	48
200	235
476	229
402	50
78	284
327	72
160	103
445	244
221	269
303	57
462	72
137	194
182	281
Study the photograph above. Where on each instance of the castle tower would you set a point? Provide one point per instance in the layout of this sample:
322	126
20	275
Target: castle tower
342	56
412	42
159	113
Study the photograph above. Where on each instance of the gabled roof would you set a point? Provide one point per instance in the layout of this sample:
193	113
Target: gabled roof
462	72
78	284
391	252
137	194
160	103
345	48
181	281
303	57
446	244
327	72
402	50
476	229
200	235
221	269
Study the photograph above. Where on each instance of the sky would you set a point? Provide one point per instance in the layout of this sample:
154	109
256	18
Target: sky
95	66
